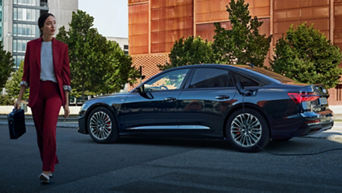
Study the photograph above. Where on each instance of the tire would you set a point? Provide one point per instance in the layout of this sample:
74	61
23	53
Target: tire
247	130
102	126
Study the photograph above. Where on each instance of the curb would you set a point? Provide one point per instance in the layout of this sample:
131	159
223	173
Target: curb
59	124
70	122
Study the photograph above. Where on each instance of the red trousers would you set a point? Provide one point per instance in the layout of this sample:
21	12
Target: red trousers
45	115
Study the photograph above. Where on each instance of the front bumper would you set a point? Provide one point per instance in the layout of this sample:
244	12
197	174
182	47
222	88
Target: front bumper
82	123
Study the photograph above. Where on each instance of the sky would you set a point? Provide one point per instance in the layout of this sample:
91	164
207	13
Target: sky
110	16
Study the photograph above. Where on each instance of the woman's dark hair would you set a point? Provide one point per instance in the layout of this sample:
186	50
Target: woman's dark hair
41	21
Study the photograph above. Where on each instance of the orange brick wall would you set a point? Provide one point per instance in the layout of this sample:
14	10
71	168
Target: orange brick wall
170	21
338	23
286	13
138	28
154	25
149	63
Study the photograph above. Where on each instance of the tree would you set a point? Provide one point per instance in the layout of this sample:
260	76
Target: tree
6	65
192	50
305	55
12	85
97	66
242	44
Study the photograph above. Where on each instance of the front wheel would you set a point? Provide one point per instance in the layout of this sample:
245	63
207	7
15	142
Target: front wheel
101	125
247	130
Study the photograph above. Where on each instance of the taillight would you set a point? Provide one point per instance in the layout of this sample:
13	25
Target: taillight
303	97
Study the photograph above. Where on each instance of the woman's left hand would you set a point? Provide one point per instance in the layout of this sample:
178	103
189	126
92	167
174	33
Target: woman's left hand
66	111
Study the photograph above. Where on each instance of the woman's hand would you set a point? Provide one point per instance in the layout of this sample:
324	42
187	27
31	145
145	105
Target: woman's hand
66	111
17	104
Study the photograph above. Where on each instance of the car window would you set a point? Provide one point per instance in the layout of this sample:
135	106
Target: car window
247	81
210	78
167	81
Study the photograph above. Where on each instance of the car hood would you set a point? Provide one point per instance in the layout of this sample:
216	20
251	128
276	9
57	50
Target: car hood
106	99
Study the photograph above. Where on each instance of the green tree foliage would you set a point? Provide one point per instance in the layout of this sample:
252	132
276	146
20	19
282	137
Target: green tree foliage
13	84
305	55
192	50
6	65
97	66
242	44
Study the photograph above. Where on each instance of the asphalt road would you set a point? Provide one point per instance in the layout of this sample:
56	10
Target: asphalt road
170	166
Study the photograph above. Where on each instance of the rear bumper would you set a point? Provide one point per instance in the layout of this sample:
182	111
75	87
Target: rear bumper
303	124
315	122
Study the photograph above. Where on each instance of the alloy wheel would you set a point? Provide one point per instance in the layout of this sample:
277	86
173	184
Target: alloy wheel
100	125
246	130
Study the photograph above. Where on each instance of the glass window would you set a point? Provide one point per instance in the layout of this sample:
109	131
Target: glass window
17	60
25	14
24	30
27	2
247	81
167	81
19	46
210	78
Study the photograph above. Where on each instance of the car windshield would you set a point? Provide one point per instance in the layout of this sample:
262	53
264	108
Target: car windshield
168	81
269	73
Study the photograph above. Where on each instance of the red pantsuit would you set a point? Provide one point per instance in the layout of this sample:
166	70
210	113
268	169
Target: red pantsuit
46	97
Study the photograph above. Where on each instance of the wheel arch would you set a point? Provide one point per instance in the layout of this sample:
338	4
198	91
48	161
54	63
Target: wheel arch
250	106
97	105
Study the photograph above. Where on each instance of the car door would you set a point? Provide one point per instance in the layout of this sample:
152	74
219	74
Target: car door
155	109
204	103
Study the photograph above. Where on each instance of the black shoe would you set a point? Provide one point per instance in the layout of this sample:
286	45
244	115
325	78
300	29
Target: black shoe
44	179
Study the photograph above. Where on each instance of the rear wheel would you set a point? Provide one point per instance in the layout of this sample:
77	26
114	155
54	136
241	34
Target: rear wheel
101	125
247	130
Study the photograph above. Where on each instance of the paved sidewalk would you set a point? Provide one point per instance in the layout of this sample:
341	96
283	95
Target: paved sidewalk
333	134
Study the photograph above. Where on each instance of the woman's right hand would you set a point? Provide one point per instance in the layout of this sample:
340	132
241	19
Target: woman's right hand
17	104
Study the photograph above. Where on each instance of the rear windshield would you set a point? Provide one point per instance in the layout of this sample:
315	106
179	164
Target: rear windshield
269	73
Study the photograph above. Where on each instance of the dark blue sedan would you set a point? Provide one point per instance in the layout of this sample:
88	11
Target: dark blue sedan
247	106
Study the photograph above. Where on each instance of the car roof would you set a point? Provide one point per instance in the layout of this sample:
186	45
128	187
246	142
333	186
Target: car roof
262	74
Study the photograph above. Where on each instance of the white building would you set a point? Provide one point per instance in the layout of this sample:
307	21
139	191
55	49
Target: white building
123	42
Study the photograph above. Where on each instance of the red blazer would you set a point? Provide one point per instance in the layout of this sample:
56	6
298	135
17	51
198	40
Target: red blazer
32	67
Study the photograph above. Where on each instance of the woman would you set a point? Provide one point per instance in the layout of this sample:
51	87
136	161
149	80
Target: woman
47	73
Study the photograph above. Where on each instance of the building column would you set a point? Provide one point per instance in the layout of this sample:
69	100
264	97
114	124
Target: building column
7	24
331	22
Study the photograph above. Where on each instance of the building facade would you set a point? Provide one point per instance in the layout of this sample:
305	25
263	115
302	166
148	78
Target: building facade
155	25
19	21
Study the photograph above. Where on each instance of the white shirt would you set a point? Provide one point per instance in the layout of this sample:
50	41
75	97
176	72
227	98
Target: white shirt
46	59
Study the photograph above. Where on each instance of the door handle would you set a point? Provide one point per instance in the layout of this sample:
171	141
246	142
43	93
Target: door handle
170	99
220	97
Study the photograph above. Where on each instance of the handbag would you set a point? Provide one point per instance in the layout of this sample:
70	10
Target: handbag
16	123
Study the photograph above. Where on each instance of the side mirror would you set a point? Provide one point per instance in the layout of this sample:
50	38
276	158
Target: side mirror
144	93
141	90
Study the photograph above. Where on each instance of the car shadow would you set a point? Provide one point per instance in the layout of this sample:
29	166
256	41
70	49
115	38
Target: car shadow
297	145
179	142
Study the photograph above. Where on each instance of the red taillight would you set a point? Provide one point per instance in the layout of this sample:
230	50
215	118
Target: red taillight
302	97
